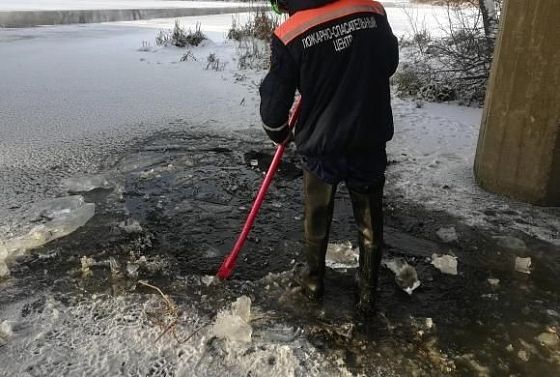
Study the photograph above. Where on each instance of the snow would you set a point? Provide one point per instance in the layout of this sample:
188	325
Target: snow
406	276
447	234
432	158
57	218
523	265
341	255
49	5
107	335
447	264
73	94
491	7
233	324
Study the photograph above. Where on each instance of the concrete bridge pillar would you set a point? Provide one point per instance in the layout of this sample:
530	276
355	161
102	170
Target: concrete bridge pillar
518	151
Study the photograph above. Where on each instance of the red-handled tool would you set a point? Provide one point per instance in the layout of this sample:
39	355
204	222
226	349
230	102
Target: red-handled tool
226	269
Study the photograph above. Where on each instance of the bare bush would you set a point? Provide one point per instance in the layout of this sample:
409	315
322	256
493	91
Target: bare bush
253	54
214	63
179	37
453	67
261	26
145	47
188	56
254	37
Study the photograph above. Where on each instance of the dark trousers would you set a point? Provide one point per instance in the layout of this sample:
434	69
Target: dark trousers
367	206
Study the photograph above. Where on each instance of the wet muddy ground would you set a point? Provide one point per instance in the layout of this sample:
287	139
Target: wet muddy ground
175	209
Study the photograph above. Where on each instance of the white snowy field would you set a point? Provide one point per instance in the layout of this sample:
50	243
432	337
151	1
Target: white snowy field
48	5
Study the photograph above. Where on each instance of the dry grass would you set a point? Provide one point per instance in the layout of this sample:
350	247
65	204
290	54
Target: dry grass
168	318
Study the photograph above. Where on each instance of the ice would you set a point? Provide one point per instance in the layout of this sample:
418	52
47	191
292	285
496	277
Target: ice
132	270
511	243
406	276
6	329
86	119
58	217
6	332
4	270
131	226
233	324
447	234
423	325
208	280
548	339
523	265
523	355
86	263
140	161
342	255
447	264
552	313
60	5
78	185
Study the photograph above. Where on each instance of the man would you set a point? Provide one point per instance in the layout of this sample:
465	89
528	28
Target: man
339	55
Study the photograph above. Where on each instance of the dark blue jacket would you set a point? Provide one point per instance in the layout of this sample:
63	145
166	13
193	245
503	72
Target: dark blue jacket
339	55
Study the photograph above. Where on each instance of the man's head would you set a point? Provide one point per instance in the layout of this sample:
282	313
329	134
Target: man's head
279	6
293	6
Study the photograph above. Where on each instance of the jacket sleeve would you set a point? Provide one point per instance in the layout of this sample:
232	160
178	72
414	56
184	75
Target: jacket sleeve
391	48
277	92
392	54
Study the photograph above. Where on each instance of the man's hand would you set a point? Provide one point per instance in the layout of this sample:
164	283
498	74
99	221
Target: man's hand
286	141
278	134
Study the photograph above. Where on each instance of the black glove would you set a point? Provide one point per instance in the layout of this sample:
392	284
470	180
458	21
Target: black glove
280	134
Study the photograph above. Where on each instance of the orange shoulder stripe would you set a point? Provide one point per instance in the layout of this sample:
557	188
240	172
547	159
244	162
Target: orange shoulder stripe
304	20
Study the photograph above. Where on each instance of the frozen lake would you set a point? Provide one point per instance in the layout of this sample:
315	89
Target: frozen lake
176	152
35	5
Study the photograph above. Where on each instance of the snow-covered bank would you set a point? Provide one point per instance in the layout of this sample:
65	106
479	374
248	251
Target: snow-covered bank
71	94
49	5
432	156
109	336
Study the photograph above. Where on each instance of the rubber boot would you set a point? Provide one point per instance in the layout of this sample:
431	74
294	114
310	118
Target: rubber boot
368	213
319	205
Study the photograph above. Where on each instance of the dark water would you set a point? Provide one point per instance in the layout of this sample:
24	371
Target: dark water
191	192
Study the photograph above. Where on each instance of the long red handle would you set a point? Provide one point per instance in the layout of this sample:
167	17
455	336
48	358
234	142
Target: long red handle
226	269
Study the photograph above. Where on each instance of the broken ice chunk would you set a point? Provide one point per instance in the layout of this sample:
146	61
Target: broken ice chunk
405	275
208	280
60	217
341	255
233	324
6	332
132	269
242	308
523	265
131	226
86	263
447	234
511	243
548	339
86	184
447	264
4	270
